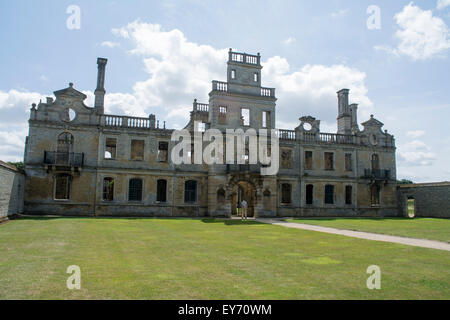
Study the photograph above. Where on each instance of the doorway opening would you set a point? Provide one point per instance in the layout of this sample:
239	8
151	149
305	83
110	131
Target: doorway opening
243	190
411	207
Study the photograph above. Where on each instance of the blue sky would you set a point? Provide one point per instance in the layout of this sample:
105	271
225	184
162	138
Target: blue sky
163	54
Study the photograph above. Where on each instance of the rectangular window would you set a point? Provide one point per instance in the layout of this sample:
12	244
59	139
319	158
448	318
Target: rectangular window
137	149
255	77
201	127
286	159
245	116
222	114
62	188
190	191
309	194
233	74
265	119
328	157
108	189
308	160
163	151
110	148
161	190
135	190
329	194
348	162
286	190
348	194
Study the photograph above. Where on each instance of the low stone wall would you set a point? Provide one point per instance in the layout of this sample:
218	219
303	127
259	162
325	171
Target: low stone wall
12	181
430	199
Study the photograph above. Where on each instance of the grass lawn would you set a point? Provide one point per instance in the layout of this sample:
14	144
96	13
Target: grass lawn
207	259
424	228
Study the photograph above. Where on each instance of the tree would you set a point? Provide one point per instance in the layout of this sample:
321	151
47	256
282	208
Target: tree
18	165
404	181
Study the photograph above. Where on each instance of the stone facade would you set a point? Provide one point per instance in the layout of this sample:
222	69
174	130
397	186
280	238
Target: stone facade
12	183
80	161
430	199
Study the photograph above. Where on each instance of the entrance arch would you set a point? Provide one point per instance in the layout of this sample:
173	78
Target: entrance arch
243	190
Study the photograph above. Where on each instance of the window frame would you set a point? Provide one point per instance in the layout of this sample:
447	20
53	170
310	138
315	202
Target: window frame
129	189
68	187
158	199
143	150
194	191
325	160
289	195
103	189
327	194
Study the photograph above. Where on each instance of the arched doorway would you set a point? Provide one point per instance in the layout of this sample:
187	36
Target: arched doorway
243	190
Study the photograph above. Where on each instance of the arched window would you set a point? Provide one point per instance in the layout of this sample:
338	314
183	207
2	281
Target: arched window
135	190
309	194
64	148
65	142
190	191
375	162
220	195
108	189
161	190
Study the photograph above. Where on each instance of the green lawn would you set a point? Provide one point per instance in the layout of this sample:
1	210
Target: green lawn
207	259
424	228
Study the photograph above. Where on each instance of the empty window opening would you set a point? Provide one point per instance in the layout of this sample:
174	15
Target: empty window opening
329	165
411	207
265	119
375	162
286	159
329	194
137	149
348	162
348	194
108	189
110	148
308	160
222	114
62	187
163	151
201	127
135	190
221	195
309	194
161	190
286	190
233	74
245	116
255	77
65	143
190	191
375	195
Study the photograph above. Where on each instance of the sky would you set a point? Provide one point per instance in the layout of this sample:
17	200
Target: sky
392	55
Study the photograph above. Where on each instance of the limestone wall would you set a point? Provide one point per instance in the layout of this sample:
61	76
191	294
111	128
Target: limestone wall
431	199
12	183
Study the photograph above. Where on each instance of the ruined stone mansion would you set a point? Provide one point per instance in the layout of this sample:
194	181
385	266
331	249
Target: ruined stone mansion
81	161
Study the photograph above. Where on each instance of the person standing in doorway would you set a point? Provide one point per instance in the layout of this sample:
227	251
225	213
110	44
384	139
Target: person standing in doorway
244	206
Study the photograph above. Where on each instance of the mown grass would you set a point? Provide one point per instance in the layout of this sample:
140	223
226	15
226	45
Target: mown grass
423	228
207	259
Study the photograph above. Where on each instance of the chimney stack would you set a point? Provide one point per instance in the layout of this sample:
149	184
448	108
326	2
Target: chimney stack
344	118
100	90
354	113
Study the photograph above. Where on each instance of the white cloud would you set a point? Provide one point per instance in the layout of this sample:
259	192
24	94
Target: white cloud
415	153
14	113
339	13
415	133
421	35
180	70
441	4
289	40
110	44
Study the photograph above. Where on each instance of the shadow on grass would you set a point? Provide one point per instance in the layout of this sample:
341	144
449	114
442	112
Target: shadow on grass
202	219
358	218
